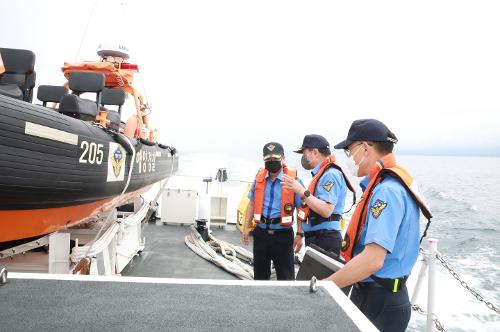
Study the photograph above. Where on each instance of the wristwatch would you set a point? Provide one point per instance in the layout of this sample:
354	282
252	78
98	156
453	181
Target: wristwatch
307	193
301	234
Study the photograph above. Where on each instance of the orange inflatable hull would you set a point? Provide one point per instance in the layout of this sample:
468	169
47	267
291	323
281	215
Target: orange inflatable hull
16	225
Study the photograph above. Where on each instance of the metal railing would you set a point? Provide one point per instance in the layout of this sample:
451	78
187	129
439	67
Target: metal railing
428	263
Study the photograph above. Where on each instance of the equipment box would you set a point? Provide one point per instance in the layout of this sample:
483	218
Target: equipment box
178	206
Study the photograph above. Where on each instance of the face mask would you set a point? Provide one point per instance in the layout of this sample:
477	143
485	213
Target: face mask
351	164
305	163
273	166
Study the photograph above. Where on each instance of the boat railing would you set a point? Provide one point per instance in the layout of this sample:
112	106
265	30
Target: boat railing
429	258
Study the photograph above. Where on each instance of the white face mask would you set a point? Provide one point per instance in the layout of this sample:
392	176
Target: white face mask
352	167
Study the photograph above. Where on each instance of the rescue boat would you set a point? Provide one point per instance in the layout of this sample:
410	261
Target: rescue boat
64	164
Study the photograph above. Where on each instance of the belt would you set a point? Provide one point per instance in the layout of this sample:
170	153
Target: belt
360	285
269	221
321	231
316	220
392	285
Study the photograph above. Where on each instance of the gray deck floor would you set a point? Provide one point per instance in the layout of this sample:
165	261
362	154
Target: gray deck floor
167	256
55	305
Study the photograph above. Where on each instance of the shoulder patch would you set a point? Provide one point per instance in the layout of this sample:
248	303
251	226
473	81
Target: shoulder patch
328	185
377	208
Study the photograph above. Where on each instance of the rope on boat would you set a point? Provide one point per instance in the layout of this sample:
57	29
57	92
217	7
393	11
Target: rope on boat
232	258
129	176
80	254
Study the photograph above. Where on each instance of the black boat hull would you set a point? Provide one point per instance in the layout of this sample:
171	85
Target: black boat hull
52	164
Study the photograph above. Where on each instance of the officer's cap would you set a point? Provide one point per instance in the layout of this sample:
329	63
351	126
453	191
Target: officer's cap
367	130
273	150
313	141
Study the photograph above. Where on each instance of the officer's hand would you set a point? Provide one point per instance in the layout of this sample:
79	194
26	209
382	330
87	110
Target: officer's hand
297	243
244	237
290	183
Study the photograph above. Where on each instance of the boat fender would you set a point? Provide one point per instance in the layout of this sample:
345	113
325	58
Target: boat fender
120	139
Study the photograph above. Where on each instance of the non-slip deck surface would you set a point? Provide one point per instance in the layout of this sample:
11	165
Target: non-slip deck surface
48	305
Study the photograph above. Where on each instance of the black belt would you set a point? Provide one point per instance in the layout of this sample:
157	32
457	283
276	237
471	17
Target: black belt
316	220
392	285
361	285
269	221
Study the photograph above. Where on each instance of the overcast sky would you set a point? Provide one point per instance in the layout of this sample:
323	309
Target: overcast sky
226	75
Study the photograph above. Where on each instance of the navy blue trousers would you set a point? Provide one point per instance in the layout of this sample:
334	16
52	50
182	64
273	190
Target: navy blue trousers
277	247
388	311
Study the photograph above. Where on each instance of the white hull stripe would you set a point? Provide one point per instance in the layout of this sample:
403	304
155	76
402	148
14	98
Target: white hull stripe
50	133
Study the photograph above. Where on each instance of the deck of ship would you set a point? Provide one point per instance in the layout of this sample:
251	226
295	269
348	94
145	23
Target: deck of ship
167	256
154	294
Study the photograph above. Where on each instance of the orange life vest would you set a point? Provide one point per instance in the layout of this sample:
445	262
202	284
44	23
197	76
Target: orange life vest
305	211
287	197
384	167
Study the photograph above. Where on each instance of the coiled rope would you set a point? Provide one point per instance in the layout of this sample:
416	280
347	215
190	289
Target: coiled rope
232	258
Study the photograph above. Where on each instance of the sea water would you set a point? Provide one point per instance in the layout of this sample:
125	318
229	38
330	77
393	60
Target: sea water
464	196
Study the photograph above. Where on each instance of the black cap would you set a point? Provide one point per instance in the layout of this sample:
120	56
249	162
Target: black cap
367	130
273	150
313	141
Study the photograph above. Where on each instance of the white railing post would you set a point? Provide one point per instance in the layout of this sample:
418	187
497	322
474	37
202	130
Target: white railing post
432	283
421	276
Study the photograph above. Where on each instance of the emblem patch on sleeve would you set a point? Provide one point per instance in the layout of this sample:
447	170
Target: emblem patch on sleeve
328	185
377	208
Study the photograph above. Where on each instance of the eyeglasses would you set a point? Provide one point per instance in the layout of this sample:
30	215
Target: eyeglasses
348	152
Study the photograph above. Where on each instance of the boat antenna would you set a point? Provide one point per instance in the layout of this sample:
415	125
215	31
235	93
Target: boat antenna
86	29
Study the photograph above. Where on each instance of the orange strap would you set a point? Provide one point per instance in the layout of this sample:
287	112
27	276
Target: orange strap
326	164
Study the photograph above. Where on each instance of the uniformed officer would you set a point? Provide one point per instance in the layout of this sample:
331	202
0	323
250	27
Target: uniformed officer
272	207
319	218
382	241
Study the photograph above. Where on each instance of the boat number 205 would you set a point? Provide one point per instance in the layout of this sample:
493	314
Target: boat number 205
92	153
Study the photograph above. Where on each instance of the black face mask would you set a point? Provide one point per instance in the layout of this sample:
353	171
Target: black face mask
273	165
305	163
